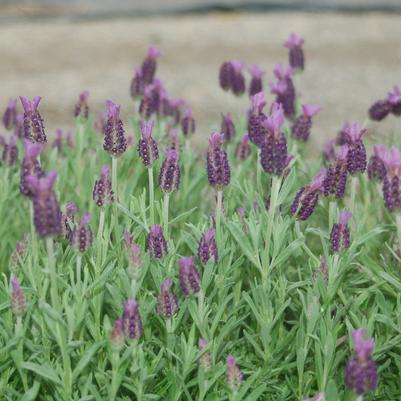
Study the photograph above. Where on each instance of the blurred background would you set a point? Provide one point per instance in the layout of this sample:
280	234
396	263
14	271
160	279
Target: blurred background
57	48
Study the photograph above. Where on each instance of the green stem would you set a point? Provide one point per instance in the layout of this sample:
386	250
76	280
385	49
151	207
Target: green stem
78	270
398	226
165	214
258	175
354	182
332	211
100	243
51	264
115	363
151	196
114	178
34	245
219	207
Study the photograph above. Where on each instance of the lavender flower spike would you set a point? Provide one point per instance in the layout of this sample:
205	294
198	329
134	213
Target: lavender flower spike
394	98
167	303
356	158
188	122
30	166
102	190
18	301
391	180
189	276
133	252
296	57
10	115
256	84
207	247
115	142
149	65
156	244
81	107
218	169
340	234
284	89
303	124
82	236
205	360
10	151
169	177
33	122
226	75
256	117
234	376
137	84
243	149
147	146
132	322
47	214
238	80
361	371
227	127
379	110
335	181
117	337
376	167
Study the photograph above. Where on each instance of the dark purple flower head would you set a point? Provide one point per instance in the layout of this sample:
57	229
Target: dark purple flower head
19	252
30	166
340	234
82	236
335	181
169	177
117	337
296	57
147	146
115	142
218	169
376	167
391	180
188	122
156	244
379	110
18	301
282	72
189	276
132	322
256	118
149	65
234	376
256	84
167	303
102	192
137	84
307	197
205	360
47	214
394	98
238	79
284	89
147	104
361	371
329	151
243	149
10	115
207	247
81	107
10	151
33	122
356	158
227	127
226	75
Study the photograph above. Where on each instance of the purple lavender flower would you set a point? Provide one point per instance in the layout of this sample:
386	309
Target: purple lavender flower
158	95
147	146
117	337
156	244
335	181
256	84
68	220
356	158
81	107
303	124
47	214
340	234
227	127
115	142
188	122
82	236
133	252
361	371
226	75
34	129
30	166
137	84
58	140
189	276
329	154
391	180
19	126
243	150
307	197
149	65
102	191
218	169
273	149
296	57
379	110
10	115
376	167
10	151
284	89
238	79
394	98
256	117
147	105
207	247
169	177
234	376
132	322
18	301
205	360
167	303
342	134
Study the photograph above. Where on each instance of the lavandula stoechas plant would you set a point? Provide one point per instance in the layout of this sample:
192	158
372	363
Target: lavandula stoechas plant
296	53
231	77
10	115
30	166
149	153
115	142
156	244
335	181
137	84
383	107
189	276
188	122
394	98
82	237
205	360
340	233
356	157
34	129
227	127
226	74
376	168
207	247
243	149
303	124
256	84
149	65
17	298
133	252
132	321
10	151
391	180
234	376
81	107
284	89
256	117
102	191
167	303
307	197
361	371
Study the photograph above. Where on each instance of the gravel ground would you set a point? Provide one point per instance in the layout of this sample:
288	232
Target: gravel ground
352	59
